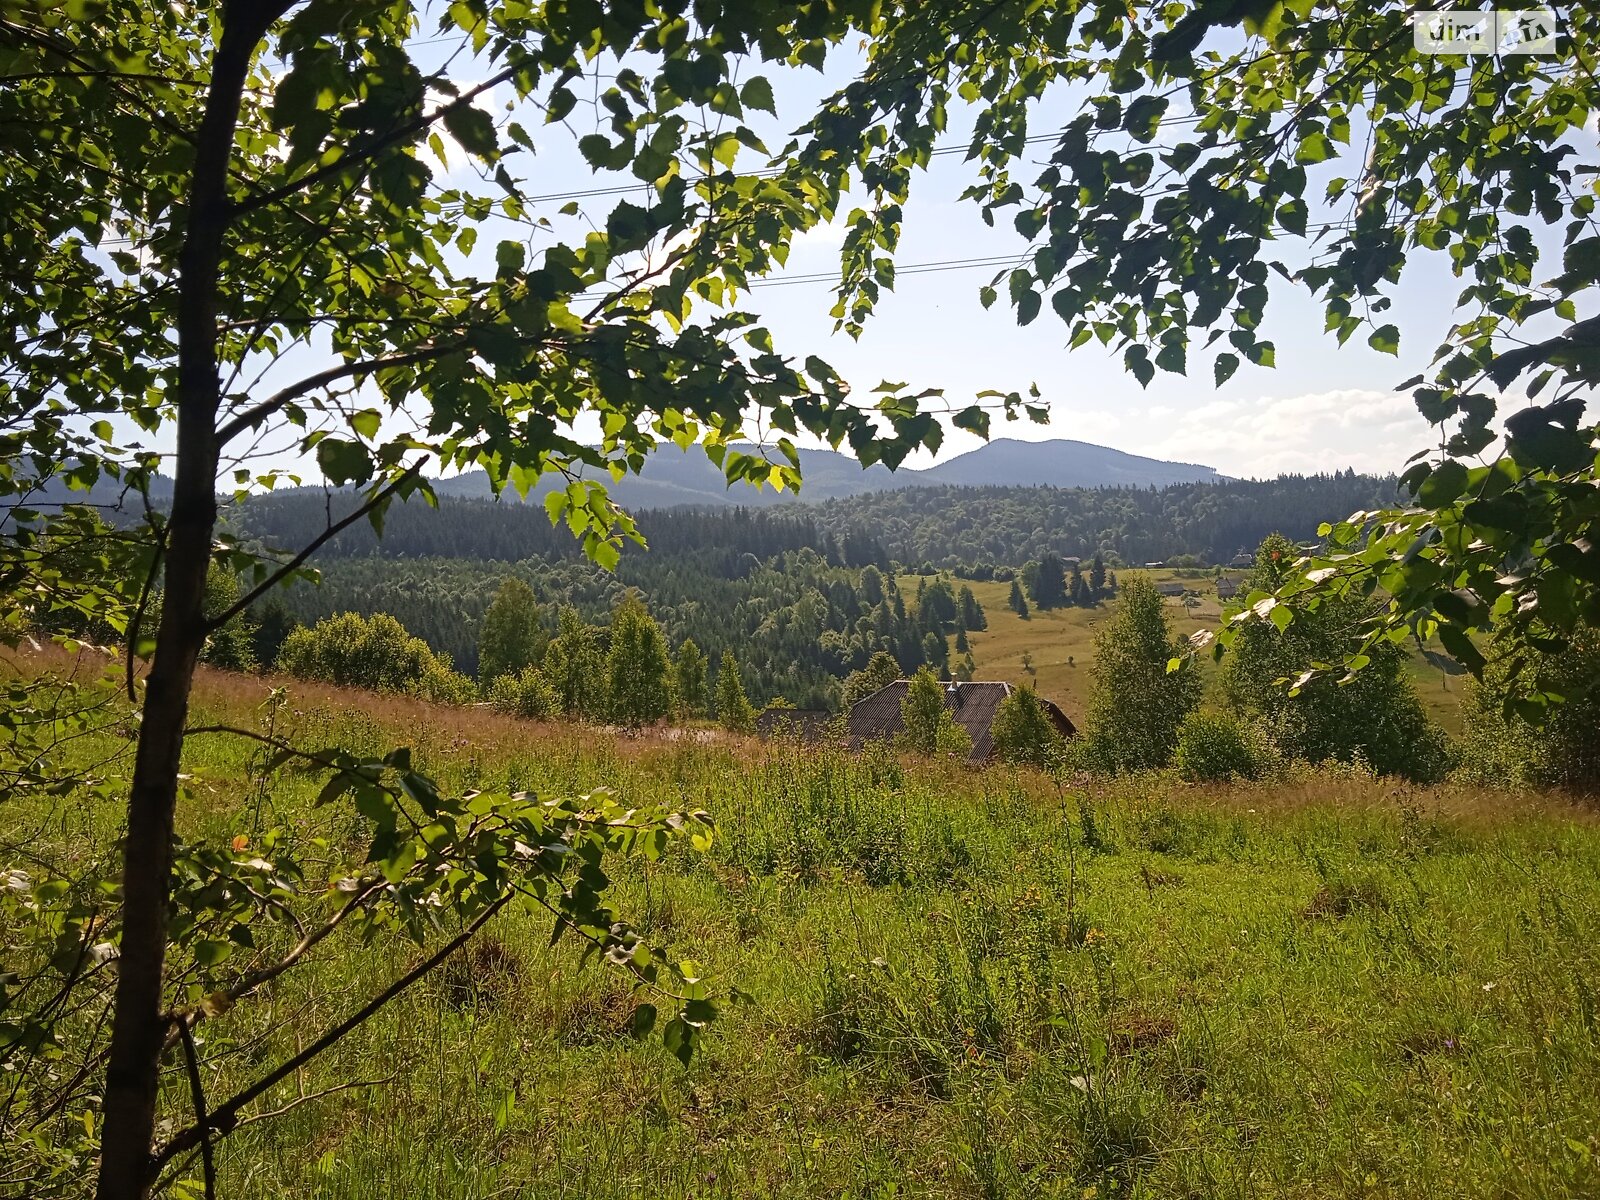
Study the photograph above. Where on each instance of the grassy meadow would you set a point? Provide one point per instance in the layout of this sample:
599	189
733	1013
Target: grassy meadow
965	983
1061	641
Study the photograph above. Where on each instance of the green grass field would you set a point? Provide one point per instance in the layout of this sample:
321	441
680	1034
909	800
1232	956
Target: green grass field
1061	642
966	984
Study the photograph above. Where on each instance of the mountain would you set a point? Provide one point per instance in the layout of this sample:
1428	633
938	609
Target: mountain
673	477
1060	462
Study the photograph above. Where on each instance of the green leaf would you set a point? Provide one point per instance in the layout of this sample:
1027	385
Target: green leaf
1385	339
757	94
344	461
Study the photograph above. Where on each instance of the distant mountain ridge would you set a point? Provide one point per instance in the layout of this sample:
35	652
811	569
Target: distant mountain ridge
673	477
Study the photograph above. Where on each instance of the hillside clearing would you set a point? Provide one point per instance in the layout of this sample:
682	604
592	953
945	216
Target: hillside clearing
964	983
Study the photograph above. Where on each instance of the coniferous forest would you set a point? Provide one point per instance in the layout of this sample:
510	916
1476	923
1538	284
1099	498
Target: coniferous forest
787	591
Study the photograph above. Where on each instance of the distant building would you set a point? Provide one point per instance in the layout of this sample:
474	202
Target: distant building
807	724
1155	566
1226	589
973	705
1171	589
1242	558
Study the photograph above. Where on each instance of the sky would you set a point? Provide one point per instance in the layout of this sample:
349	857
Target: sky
1323	407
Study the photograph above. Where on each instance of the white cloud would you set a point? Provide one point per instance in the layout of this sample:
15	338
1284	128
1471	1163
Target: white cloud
1271	435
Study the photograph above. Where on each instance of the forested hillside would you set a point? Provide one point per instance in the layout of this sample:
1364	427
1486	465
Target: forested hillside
785	591
1006	526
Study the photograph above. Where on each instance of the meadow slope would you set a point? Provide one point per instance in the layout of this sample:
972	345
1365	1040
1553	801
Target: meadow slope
965	984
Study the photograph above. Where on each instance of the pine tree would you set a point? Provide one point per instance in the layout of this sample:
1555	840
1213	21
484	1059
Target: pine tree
961	640
1050	582
511	638
733	708
1097	578
1019	603
638	668
690	680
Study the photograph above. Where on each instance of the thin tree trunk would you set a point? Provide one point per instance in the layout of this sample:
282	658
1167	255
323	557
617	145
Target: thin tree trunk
138	1024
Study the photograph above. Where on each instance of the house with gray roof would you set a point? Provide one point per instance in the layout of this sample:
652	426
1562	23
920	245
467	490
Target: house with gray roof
973	705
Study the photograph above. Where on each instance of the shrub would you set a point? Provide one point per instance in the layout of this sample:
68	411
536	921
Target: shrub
1375	717
1023	732
525	694
1563	749
1213	747
372	652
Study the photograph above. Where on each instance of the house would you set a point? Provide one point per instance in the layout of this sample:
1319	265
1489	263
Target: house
1242	559
1171	589
973	705
1227	589
807	724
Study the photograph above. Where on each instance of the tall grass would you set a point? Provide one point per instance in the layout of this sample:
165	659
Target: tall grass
966	984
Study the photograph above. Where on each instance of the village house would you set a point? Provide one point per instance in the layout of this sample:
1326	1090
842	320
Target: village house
973	705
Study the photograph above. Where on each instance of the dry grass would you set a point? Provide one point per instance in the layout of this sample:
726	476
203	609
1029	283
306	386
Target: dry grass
1061	642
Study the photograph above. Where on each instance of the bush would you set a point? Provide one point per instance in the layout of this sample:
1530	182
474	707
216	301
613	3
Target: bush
1022	730
1137	704
372	652
1375	717
1563	750
1214	747
929	727
525	694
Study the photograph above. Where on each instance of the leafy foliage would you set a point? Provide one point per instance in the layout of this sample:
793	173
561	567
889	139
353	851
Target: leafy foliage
930	728
371	652
1138	705
512	638
1216	747
1501	746
1023	731
638	666
527	693
1372	714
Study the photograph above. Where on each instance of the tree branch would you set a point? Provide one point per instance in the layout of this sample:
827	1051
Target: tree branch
198	1092
316	543
257	413
377	146
224	1119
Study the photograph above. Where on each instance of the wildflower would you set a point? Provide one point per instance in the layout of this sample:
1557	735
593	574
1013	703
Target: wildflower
1094	937
240	843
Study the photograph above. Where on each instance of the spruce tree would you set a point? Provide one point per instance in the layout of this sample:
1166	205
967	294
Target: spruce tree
1050	582
1018	602
1097	578
689	672
733	707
